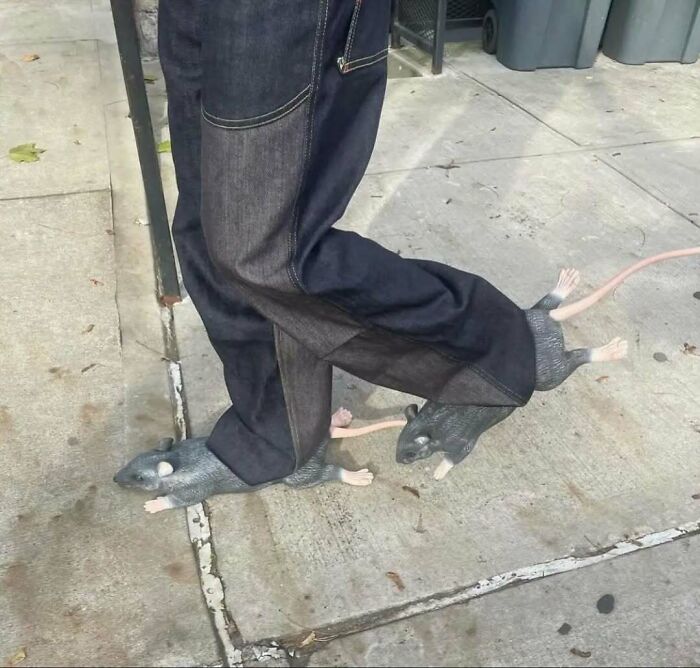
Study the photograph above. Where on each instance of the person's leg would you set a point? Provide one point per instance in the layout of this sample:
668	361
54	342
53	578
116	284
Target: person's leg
253	437
292	95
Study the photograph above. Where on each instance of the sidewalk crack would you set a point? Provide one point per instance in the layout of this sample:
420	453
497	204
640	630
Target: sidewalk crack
199	525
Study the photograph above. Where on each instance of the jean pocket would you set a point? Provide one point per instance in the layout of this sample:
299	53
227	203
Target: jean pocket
367	40
257	59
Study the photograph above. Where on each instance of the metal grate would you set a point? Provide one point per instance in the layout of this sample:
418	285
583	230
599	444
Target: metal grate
419	16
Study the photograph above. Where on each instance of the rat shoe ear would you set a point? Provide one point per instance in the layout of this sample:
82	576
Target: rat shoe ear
164	469
411	412
165	444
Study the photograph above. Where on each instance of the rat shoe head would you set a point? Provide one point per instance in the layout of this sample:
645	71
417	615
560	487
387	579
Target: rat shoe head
415	440
149	470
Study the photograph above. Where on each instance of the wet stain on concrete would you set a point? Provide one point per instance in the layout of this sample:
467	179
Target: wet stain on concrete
5	418
180	572
660	357
606	604
576	492
89	413
72	440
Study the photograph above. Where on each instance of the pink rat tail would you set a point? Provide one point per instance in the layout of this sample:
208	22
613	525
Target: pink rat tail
565	312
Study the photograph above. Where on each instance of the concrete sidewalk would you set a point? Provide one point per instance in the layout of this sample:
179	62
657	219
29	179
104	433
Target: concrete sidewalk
590	490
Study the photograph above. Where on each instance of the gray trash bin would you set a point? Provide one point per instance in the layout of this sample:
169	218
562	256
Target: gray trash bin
643	31
549	33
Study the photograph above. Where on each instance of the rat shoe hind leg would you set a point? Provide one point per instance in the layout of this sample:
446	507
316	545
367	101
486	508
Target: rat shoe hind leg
573	359
341	418
317	471
568	280
610	352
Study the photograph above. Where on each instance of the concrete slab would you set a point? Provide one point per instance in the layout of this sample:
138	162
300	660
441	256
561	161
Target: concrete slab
42	21
667	170
433	120
653	622
578	468
54	102
610	103
84	580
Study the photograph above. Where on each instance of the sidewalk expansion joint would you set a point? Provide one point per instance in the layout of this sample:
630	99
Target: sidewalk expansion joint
89	191
300	646
519	106
642	187
582	149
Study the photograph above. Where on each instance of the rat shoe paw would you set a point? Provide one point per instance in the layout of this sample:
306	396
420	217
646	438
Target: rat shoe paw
341	418
360	478
443	468
156	505
615	350
568	280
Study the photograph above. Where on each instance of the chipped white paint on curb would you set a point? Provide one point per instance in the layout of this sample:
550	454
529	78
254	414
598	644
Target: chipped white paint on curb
175	375
212	587
200	534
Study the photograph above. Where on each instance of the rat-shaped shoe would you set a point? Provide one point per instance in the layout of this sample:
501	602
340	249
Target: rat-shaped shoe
188	472
455	429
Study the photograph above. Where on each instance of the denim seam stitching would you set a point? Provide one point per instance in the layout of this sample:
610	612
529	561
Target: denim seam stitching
358	63
206	115
291	413
264	116
353	30
315	80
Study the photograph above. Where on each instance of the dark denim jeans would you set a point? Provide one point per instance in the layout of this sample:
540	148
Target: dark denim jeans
274	108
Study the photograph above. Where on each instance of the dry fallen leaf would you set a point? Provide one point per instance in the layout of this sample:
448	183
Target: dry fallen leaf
88	329
150	78
581	653
601	379
396	579
30	57
19	656
411	490
689	349
94	281
308	640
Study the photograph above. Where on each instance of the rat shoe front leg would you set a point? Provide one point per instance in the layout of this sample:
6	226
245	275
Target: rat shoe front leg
443	468
159	503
